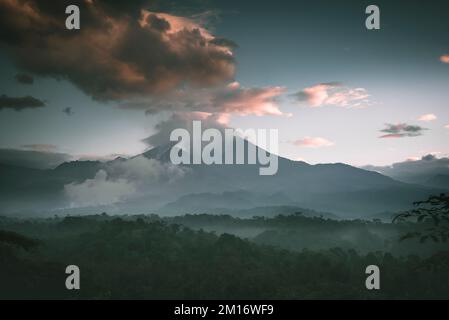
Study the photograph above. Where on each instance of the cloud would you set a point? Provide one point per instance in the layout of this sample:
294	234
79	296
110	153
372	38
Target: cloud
428	117
444	58
37	159
429	157
184	120
121	50
98	191
333	94
121	180
232	99
313	142
41	147
402	130
68	111
20	103
138	58
416	169
24	78
142	170
245	101
447	126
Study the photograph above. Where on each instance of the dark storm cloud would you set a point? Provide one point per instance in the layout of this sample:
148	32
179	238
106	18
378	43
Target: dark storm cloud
402	130
157	23
121	50
32	158
20	103
24	78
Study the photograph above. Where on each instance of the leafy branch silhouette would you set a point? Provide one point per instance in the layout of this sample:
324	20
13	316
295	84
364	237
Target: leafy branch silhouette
434	210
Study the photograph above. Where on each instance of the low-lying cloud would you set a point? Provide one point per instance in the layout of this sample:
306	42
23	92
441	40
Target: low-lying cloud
99	191
142	170
121	180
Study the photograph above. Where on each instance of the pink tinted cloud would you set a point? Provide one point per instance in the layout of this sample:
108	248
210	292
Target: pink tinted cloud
313	142
428	117
317	95
444	58
249	101
226	101
392	136
334	94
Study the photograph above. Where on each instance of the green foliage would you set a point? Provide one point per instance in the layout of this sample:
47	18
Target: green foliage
297	232
18	240
146	257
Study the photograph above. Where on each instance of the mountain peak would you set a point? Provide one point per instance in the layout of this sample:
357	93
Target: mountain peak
160	153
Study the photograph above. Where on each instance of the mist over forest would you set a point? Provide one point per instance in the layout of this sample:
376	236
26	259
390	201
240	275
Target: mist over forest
216	257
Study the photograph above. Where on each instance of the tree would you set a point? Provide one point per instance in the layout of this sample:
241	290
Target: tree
18	240
434	210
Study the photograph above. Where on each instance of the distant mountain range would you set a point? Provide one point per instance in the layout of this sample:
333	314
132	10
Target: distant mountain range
146	184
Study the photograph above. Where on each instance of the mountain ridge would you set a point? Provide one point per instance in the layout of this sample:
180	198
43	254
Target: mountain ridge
332	187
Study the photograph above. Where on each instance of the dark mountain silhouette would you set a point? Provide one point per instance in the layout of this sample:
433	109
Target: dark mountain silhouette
438	181
337	188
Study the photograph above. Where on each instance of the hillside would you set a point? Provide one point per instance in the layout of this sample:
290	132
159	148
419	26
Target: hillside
158	186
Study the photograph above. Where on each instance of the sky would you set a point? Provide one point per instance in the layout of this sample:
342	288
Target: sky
336	91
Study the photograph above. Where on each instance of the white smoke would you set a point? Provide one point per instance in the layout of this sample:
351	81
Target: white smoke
143	171
121	180
98	191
